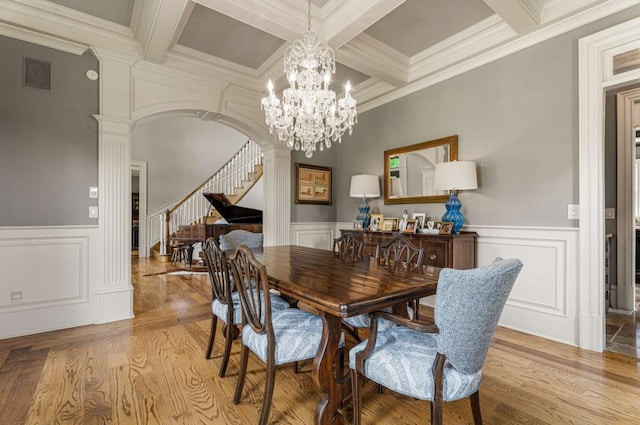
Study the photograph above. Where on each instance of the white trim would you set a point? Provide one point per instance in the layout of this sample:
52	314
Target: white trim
143	242
592	82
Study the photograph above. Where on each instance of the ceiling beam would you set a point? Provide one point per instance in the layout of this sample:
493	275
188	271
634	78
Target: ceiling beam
346	19
523	16
160	26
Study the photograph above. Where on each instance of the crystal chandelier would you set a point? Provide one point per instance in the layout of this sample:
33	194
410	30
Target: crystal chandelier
310	114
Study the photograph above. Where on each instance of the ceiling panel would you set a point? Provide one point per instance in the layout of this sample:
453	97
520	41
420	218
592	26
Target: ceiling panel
219	35
118	11
418	24
344	74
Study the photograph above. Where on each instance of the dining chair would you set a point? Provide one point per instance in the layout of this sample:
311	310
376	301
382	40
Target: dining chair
225	304
235	238
276	337
349	247
440	361
400	253
397	253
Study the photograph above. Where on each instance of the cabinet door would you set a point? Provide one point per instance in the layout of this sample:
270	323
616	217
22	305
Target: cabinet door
436	253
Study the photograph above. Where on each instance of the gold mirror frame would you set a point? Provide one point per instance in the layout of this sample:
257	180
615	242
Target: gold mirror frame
452	141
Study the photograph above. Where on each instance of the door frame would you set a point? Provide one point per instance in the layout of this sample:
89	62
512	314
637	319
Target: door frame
595	68
143	244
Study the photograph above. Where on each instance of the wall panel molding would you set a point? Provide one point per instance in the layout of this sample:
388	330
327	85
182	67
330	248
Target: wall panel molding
55	269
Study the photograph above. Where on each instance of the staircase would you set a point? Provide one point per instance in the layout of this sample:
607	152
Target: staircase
234	179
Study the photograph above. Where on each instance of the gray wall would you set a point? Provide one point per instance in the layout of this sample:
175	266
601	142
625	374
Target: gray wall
48	140
312	212
516	117
181	153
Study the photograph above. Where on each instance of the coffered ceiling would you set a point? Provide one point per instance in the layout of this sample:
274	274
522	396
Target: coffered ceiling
382	46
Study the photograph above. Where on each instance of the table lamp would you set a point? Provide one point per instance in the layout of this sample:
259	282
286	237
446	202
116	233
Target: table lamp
454	176
364	186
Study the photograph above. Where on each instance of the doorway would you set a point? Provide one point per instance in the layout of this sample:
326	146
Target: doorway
139	242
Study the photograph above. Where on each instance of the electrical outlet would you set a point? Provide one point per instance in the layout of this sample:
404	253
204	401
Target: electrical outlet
93	192
610	213
93	212
16	296
573	211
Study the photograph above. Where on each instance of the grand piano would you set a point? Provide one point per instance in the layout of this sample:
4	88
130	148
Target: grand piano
237	218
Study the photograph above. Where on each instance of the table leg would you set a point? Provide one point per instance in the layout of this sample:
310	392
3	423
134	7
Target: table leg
327	409
189	259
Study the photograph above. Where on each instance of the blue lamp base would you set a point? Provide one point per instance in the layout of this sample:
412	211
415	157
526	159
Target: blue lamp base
453	213
364	213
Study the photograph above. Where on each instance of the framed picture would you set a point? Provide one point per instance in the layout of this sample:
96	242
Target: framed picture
376	222
389	224
446	228
410	227
357	224
420	220
313	184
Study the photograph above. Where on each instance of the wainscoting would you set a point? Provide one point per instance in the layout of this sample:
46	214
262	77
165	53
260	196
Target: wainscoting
54	271
544	300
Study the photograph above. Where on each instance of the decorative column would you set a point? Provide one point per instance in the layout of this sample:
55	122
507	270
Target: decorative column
277	195
115	292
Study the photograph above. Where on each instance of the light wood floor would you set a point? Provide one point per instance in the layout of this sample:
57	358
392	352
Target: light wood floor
152	370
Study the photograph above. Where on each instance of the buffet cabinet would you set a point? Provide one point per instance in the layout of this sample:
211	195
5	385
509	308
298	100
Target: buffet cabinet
452	251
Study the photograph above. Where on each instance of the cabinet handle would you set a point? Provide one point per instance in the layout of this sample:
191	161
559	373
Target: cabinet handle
432	257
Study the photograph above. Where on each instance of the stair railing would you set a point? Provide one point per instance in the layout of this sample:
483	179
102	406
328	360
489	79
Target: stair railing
194	208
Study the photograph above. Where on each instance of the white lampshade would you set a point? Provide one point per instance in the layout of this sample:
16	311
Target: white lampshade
364	186
455	175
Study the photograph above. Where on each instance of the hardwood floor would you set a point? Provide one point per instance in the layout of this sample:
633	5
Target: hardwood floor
152	370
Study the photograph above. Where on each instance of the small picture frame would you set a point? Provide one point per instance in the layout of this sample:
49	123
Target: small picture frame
390	224
410	227
357	224
376	222
420	219
446	228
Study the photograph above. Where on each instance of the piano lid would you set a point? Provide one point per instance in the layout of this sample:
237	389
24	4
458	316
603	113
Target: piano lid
233	213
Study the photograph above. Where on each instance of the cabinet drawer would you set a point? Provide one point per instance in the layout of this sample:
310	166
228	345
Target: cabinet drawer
435	254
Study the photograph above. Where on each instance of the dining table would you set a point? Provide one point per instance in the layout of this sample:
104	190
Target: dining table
336	289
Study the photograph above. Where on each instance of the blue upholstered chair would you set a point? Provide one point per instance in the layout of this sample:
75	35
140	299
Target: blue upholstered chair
275	336
225	304
439	361
235	238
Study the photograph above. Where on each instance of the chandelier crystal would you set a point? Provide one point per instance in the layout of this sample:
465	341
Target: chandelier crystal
309	114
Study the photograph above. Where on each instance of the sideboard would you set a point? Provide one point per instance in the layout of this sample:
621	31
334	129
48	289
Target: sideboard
452	251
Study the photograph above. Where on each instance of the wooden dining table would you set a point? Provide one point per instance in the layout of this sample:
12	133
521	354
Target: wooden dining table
337	289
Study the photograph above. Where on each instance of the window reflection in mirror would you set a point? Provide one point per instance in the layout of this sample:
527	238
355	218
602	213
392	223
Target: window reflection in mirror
409	171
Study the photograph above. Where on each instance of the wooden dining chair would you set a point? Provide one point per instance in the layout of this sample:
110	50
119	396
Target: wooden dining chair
398	253
225	304
275	336
349	247
440	361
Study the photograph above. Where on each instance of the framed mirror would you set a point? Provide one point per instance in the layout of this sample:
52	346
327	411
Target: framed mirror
409	170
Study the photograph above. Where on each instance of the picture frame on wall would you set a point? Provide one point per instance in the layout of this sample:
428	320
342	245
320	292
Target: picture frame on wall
313	184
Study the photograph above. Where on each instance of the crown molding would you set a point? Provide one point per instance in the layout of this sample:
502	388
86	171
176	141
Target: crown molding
486	34
68	24
42	39
369	56
545	33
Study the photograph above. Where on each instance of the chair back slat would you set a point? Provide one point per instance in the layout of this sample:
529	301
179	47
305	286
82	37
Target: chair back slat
251	282
468	306
348	247
218	269
399	252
